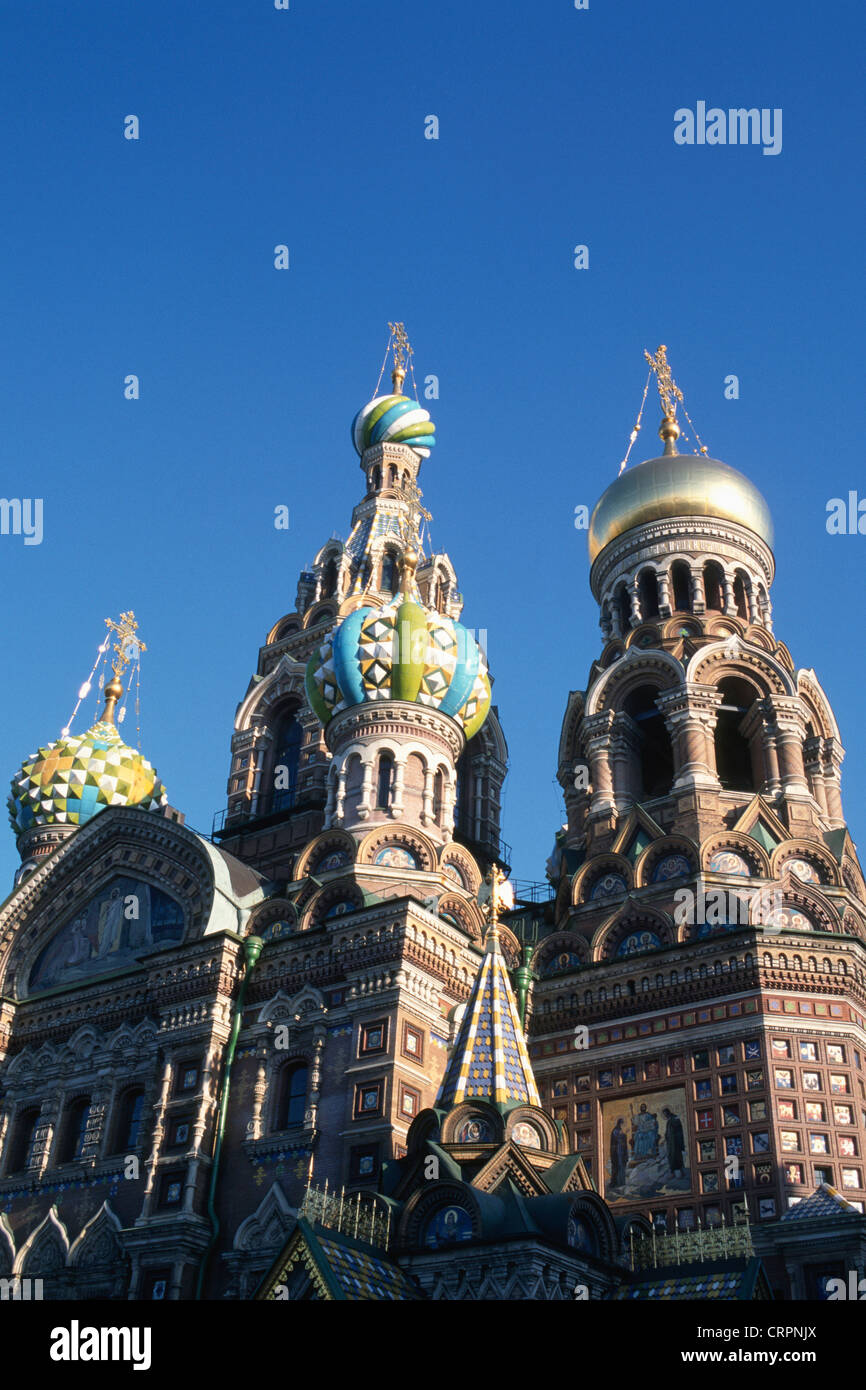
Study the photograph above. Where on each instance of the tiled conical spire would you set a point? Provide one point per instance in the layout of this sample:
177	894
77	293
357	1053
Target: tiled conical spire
490	1060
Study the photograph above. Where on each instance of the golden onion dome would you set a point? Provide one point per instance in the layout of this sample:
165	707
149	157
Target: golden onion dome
677	485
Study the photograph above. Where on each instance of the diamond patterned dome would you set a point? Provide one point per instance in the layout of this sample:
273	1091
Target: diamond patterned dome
70	780
400	652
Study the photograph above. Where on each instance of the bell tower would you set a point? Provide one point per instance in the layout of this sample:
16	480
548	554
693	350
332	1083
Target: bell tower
708	941
370	702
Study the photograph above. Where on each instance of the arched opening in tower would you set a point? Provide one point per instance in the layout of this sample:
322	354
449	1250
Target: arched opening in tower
389	572
654	765
329	580
286	760
741	600
714	589
681	585
648	594
734	764
622	608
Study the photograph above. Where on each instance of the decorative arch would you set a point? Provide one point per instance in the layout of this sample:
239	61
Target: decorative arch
734	658
45	1252
813	696
466	915
406	836
538	1120
269	1226
99	1241
486	1116
797	898
334	900
632	920
460	859
588	884
640	666
547	954
790	856
746	847
433	1197
275	918
674	858
330	842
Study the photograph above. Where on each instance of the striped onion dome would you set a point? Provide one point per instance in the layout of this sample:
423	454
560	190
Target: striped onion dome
73	778
490	1060
403	651
394	420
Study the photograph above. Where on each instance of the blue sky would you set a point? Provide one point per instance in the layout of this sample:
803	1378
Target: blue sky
306	127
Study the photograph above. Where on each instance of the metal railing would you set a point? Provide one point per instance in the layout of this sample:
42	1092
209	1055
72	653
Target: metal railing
692	1247
356	1215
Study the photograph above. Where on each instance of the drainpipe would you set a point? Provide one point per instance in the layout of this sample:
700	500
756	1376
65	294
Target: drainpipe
252	950
523	979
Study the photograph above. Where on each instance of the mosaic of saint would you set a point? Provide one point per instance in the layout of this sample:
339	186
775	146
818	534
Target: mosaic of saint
128	919
646	1149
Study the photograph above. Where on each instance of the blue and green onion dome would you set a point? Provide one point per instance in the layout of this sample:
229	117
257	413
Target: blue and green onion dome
394	420
75	777
403	651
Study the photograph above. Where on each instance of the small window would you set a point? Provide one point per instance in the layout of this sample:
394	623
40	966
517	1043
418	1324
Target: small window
129	1120
74	1131
292	1096
385	782
24	1137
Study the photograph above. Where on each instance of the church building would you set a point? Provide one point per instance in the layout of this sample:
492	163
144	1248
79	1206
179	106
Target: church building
325	1053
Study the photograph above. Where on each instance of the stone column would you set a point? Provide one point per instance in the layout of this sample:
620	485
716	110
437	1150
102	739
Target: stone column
596	732
46	1128
790	731
623	750
758	727
314	1084
834	754
158	1133
365	800
635	602
256	1124
664	581
427	797
340	797
730	607
690	714
399	786
699	597
815	772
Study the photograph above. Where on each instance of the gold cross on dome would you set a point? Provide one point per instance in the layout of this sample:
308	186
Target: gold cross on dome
669	392
127	646
401	347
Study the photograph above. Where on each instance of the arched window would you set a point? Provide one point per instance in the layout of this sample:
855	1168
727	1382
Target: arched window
438	795
389	572
74	1130
681	585
128	1130
291	1096
385	782
329	579
622	608
655	770
648	594
733	752
714	587
741	598
23	1138
375	478
287	757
